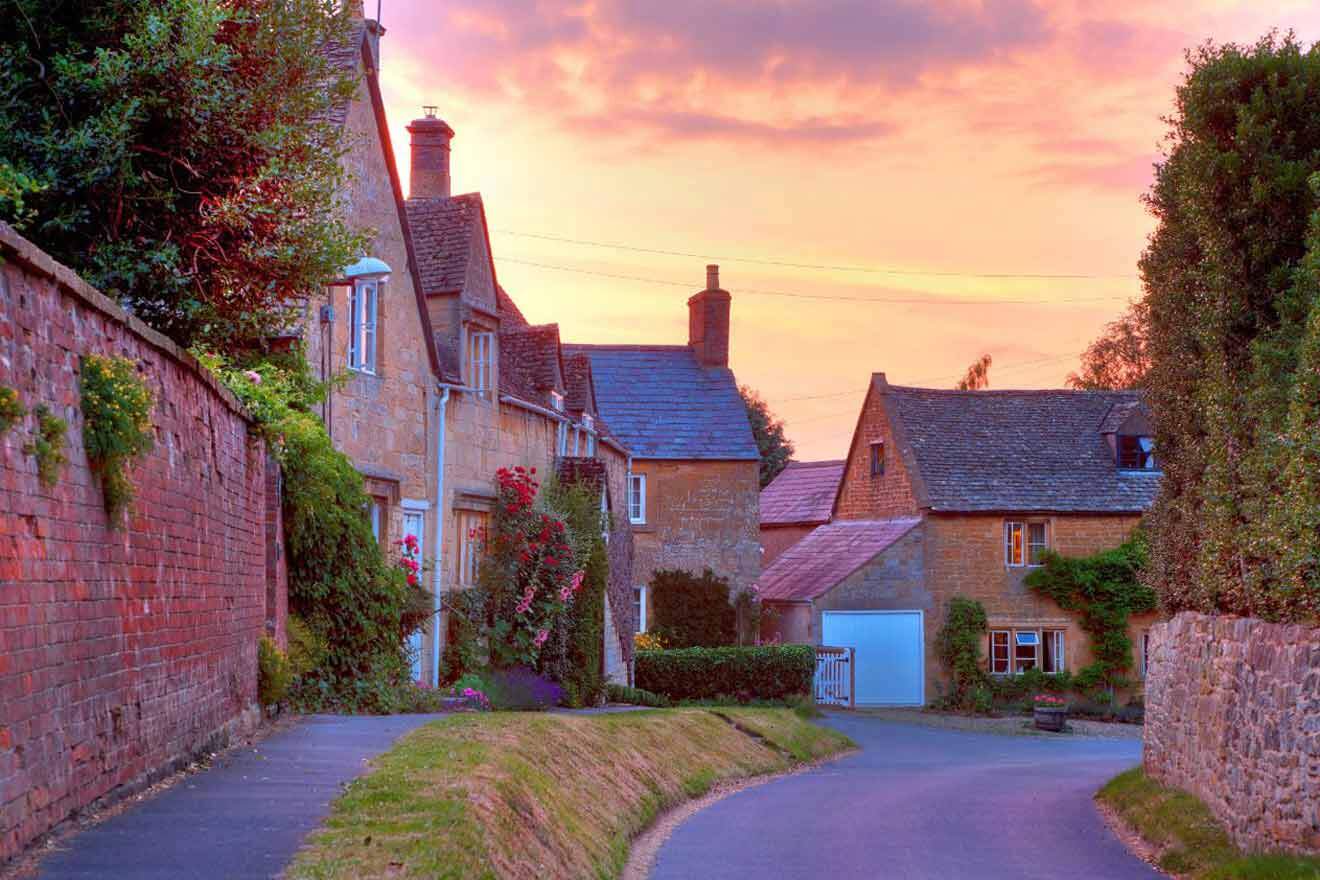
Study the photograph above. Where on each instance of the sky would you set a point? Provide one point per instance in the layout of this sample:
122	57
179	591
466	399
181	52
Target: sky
892	186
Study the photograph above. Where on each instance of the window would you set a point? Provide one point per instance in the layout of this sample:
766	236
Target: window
637	498
1136	453
561	439
639	600
376	513
999	639
481	362
877	458
557	401
1025	543
472	542
362	302
1054	659
1145	652
1014	651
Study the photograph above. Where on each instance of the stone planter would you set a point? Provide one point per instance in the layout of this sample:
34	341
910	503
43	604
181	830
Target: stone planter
1049	718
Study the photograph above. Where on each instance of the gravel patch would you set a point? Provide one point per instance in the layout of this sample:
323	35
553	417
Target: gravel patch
1013	725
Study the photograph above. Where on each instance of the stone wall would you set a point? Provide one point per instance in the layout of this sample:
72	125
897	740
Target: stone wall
1233	716
776	539
882	496
123	652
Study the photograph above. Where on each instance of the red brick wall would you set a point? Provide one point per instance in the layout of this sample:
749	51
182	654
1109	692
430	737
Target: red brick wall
862	496
122	652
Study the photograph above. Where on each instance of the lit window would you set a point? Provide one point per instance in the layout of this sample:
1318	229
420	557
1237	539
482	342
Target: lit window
639	601
999	661
637	498
362	304
877	458
472	542
1136	453
1026	650
1025	543
481	362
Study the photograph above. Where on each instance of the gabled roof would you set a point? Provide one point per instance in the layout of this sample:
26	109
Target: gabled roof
663	404
443	231
580	396
529	363
1014	450
803	493
814	565
509	313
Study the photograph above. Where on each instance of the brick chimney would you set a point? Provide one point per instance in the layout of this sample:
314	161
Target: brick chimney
430	156
708	322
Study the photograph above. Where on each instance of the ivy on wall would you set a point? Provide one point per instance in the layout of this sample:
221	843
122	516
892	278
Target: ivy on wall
958	645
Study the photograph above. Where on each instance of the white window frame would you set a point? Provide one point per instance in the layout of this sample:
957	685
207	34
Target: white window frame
470	546
363	313
1019	555
639	597
1007	649
637	499
481	362
1033	641
1057	641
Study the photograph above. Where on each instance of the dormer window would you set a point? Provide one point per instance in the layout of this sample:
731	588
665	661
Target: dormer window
481	362
557	401
1136	452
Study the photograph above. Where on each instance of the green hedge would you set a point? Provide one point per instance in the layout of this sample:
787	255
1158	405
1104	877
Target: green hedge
765	673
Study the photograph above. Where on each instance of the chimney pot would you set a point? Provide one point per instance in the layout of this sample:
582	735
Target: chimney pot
712	277
430	137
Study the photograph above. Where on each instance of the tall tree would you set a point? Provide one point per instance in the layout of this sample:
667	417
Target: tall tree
775	448
977	376
1232	290
179	154
1117	359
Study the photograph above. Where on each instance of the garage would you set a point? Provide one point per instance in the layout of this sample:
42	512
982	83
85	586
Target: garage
890	654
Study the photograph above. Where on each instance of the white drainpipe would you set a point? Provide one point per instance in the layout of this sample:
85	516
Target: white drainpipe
442	405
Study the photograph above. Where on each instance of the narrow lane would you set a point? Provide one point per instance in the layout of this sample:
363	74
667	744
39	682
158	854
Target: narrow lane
916	803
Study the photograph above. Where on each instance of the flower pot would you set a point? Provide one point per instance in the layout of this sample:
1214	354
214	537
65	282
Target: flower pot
1050	718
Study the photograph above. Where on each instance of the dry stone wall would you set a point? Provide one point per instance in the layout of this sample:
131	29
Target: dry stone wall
1233	716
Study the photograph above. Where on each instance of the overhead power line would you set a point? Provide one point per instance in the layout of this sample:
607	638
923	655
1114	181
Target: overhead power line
789	264
997	368
921	301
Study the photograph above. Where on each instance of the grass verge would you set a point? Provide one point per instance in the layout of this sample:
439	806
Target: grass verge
522	795
1190	841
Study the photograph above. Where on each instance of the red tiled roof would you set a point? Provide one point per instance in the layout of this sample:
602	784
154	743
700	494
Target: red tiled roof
814	565
802	493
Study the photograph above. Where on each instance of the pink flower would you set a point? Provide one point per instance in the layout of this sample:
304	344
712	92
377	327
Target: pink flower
541	636
576	583
253	376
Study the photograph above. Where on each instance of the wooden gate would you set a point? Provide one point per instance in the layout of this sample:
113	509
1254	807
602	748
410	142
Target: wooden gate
835	674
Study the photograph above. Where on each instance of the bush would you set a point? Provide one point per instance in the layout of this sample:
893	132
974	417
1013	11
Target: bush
772	672
618	693
958	645
274	673
692	611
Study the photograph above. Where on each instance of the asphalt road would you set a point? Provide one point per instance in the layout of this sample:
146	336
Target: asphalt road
244	818
916	803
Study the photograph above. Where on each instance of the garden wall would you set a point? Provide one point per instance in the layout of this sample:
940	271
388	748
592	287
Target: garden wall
1233	716
123	653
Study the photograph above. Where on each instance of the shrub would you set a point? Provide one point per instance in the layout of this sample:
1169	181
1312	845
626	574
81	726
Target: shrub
11	409
618	693
772	672
274	673
958	645
307	647
48	445
116	407
693	611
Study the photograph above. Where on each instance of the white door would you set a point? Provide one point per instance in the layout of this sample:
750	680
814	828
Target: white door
414	524
890	651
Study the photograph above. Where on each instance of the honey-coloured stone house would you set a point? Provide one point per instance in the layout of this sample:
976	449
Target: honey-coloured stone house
957	493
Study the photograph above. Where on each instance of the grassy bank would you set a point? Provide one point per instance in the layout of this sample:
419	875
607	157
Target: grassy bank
1190	841
520	795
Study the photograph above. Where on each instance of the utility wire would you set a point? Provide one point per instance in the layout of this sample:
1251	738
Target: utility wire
875	270
918	382
923	301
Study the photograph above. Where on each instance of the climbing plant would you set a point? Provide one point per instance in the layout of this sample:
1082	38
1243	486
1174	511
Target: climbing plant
958	645
1104	590
116	406
11	408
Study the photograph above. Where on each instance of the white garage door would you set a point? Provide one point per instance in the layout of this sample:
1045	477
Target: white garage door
891	667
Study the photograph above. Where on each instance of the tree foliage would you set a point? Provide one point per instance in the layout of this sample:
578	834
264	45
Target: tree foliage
178	153
1118	359
1232	298
775	448
977	376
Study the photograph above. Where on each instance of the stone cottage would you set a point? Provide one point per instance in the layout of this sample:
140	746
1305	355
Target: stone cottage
693	484
958	493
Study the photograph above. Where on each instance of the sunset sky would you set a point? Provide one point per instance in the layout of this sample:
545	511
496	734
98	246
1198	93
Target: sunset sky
905	156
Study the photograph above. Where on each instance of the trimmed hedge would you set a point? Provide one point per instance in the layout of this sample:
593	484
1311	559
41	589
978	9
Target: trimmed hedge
771	672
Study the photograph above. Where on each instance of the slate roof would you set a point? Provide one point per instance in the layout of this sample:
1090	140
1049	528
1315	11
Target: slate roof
529	363
814	565
443	231
664	405
802	493
509	313
1016	450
